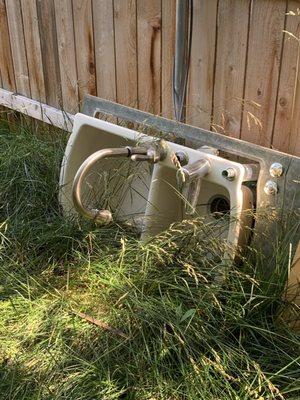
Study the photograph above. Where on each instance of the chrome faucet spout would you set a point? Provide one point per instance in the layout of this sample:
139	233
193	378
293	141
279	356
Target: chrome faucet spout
135	153
99	216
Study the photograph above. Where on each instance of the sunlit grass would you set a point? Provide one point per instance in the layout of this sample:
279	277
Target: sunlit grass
186	336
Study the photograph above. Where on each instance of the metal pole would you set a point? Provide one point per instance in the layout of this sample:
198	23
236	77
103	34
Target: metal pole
182	55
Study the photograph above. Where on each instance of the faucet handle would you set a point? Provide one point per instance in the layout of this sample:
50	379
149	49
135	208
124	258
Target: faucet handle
189	182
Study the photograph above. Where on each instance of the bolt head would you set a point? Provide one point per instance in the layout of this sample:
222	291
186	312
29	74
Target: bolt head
182	157
271	188
276	170
229	174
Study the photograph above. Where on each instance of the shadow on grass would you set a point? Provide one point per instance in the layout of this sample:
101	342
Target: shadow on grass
190	336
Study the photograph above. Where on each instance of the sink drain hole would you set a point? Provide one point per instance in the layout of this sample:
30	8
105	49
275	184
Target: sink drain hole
219	206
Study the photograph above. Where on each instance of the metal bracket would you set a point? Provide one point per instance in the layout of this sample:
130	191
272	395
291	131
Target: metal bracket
285	197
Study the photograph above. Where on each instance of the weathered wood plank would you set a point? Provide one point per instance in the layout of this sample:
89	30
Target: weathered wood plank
149	55
233	18
167	56
33	50
126	51
105	49
16	34
66	54
37	110
286	135
50	59
6	62
199	100
84	44
264	54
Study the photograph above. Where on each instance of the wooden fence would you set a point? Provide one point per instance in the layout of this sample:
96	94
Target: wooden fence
244	72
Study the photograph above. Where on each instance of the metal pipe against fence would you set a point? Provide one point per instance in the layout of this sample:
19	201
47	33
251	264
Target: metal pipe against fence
183	38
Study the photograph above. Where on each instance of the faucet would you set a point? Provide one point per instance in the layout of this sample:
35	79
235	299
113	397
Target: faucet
150	154
189	182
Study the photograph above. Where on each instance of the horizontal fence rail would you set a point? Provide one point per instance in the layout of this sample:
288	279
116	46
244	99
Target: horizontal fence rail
244	69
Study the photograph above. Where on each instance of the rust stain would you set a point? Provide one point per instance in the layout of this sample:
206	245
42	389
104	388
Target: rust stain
91	54
91	65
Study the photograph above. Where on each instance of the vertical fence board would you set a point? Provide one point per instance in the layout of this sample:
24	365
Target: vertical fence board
233	17
126	51
264	54
294	144
167	55
33	50
105	49
201	81
6	62
66	54
84	44
287	117
16	33
47	29
149	55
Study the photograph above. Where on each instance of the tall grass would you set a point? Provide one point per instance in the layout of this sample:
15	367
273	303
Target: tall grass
184	335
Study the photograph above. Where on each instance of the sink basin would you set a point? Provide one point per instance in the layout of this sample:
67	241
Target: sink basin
147	194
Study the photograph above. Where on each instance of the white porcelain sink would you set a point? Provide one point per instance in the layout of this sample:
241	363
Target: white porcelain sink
150	194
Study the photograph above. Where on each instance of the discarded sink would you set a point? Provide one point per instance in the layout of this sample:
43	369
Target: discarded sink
111	172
